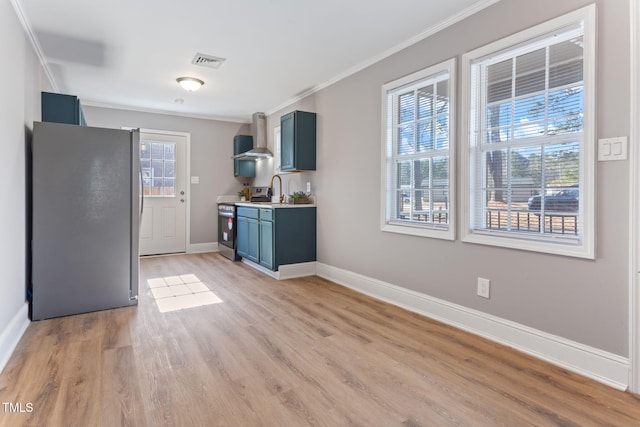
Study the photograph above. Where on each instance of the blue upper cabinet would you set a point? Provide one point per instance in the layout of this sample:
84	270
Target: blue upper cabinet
298	141
60	108
242	143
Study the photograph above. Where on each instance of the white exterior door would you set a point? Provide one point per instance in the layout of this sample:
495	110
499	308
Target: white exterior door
163	163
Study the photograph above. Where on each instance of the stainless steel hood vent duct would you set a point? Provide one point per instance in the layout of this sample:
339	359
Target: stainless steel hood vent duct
259	132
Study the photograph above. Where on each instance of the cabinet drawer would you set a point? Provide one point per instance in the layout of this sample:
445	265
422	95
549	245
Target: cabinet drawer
266	214
248	212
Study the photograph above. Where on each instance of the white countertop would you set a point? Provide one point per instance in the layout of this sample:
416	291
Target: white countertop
274	205
234	199
227	199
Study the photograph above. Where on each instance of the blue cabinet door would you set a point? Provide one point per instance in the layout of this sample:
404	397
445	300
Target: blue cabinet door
60	108
298	141
246	168
243	236
248	233
294	236
253	243
242	143
266	244
287	142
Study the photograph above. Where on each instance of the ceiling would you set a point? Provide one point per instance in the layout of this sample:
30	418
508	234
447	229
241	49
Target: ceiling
128	54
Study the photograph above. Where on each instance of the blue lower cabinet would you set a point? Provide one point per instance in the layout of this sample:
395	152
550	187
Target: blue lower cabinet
254	240
294	236
275	237
243	236
266	244
248	238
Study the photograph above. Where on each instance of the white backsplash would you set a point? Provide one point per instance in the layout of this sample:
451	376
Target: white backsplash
291	181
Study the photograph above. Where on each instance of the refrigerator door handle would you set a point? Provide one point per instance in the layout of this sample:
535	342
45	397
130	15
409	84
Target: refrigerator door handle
141	194
137	193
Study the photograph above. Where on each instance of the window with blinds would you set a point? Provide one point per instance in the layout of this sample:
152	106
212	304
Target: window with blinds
417	168
530	135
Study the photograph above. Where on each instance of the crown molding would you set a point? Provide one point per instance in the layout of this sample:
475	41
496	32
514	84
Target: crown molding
91	103
473	9
17	6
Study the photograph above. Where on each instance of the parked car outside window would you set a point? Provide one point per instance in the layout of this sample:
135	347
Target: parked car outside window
556	201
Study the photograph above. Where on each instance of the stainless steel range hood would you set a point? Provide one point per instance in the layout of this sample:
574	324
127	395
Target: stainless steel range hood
259	132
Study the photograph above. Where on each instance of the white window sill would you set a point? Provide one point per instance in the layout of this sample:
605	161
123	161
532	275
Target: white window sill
445	233
549	245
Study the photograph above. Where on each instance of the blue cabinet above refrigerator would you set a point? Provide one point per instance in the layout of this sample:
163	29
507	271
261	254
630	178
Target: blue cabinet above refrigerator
60	108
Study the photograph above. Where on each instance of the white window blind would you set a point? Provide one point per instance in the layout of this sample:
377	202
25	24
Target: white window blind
528	174
417	146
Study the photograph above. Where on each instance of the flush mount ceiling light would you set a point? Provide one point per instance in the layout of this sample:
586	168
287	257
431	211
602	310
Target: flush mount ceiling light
190	84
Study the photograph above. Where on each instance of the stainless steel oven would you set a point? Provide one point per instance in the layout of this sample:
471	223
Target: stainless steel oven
227	230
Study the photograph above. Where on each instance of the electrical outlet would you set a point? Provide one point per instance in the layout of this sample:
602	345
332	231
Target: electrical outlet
484	286
308	187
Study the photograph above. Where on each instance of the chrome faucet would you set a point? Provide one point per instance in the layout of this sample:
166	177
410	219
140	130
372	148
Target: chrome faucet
271	187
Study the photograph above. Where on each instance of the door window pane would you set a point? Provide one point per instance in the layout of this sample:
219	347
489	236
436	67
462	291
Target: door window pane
170	151
158	168
169	169
169	187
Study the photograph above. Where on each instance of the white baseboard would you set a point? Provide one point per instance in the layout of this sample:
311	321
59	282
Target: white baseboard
289	271
594	363
197	248
11	335
256	266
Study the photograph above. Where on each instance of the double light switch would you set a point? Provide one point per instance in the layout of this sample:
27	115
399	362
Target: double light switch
612	148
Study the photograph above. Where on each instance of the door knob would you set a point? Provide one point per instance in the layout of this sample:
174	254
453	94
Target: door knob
182	200
182	193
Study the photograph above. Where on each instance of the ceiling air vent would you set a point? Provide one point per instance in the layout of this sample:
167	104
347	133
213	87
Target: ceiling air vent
207	61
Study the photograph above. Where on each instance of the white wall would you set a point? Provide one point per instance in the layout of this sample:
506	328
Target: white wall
21	75
211	151
580	300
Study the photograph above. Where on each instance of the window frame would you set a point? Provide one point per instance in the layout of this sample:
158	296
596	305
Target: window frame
387	194
584	247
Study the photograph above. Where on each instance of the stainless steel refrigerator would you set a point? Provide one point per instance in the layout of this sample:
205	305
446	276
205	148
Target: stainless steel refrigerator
85	219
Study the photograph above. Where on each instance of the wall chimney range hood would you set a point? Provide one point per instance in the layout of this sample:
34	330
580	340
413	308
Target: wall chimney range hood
259	132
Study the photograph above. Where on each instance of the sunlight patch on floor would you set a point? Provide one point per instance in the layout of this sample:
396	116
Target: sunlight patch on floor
180	292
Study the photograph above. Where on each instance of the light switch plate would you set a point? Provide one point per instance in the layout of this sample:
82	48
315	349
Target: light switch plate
612	149
195	180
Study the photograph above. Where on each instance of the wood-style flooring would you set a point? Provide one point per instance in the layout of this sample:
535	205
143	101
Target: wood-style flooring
290	353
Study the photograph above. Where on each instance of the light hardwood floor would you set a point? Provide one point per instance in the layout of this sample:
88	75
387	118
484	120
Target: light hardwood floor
291	353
